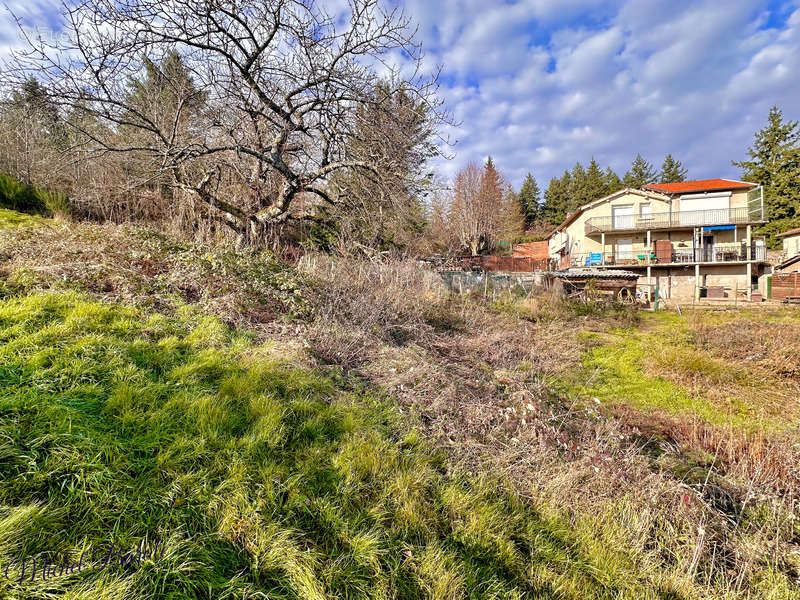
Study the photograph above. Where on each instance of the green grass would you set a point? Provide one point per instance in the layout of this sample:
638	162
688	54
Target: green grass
19	196
150	419
615	374
618	368
265	480
12	219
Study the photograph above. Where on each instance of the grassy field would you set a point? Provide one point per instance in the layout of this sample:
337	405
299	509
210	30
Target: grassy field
719	366
260	478
352	431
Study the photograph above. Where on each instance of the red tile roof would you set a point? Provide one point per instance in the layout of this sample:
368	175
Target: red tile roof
794	231
700	185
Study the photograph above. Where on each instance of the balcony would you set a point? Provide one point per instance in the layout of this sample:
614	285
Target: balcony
675	220
719	253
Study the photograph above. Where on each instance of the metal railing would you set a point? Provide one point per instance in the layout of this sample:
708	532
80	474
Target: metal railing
668	220
719	253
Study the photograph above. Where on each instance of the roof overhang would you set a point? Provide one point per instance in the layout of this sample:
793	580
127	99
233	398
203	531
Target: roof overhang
787	263
791	232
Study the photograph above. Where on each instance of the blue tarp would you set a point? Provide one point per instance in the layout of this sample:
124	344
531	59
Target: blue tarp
719	227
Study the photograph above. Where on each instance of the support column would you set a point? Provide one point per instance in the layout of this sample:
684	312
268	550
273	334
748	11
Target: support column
696	281
702	245
749	262
649	285
603	249
649	249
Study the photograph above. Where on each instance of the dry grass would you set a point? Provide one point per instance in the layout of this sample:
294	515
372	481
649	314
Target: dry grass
126	263
695	507
772	345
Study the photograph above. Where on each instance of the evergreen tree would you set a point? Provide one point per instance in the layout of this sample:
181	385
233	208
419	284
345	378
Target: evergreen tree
595	183
489	204
612	182
556	199
672	171
577	186
397	123
32	99
478	215
491	184
529	198
165	87
641	173
775	163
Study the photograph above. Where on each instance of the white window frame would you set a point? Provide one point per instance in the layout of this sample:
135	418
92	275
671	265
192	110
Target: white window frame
622	221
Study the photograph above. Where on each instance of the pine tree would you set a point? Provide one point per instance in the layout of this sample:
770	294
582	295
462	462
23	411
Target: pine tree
672	171
595	183
164	87
478	213
556	199
578	191
640	174
775	163
612	182
38	133
529	199
397	123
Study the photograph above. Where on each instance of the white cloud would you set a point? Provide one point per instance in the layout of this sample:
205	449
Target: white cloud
540	85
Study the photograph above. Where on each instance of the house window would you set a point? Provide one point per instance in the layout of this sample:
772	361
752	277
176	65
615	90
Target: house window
622	216
644	211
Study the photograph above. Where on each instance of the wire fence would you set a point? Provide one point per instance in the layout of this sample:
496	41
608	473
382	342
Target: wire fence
489	283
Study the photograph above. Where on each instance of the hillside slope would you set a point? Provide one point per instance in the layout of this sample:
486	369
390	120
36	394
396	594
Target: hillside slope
346	431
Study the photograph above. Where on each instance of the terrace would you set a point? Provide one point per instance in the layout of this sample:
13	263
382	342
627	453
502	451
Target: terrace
675	220
718	253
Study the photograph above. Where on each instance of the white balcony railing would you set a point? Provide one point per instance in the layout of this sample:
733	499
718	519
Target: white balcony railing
690	218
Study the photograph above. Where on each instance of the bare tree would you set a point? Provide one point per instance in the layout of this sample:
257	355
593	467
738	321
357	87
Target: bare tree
264	108
478	215
468	217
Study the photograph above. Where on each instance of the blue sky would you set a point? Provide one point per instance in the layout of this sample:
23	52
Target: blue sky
541	84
